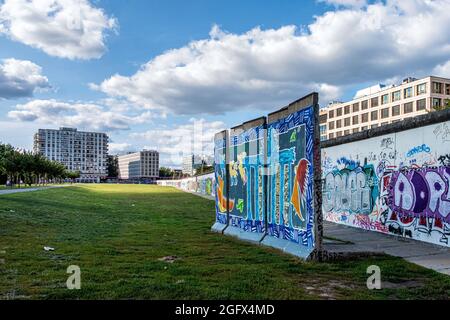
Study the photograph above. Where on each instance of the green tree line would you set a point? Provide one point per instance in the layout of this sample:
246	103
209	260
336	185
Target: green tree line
29	168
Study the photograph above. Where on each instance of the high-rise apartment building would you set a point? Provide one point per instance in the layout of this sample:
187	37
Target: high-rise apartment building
143	165
85	152
380	105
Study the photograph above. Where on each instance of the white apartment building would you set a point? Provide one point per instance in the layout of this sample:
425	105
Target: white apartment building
380	105
143	165
78	151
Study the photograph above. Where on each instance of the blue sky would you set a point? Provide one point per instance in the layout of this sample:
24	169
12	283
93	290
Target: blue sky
157	74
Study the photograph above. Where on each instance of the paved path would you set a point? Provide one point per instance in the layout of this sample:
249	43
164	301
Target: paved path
10	191
424	254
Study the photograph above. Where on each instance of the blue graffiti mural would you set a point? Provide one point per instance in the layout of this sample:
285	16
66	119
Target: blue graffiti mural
220	145
290	198
247	180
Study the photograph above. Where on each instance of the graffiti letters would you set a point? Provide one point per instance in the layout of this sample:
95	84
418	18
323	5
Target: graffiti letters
444	160
418	149
442	132
423	192
350	190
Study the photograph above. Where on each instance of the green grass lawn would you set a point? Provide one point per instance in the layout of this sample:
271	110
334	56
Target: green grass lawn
116	234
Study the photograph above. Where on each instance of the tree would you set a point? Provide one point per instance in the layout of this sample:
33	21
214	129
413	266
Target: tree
73	175
4	149
165	172
17	166
112	166
445	106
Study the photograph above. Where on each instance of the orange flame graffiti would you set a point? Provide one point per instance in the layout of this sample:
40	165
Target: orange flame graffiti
222	201
298	197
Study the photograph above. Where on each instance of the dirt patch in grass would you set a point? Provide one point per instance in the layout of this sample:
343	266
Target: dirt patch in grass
169	259
403	284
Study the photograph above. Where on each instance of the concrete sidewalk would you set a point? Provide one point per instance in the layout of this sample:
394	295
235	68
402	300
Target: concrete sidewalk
354	240
11	191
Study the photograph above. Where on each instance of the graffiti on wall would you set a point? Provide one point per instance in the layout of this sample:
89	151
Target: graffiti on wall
220	181
417	193
353	189
290	158
247	180
204	185
391	184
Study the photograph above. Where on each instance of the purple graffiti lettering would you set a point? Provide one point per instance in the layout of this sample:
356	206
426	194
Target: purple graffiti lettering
419	193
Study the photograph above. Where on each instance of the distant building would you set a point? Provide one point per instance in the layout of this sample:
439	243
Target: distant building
192	162
140	166
78	151
380	105
189	164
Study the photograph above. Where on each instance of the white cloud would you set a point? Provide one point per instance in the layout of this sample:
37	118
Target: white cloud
72	29
88	116
173	143
20	78
442	70
346	3
119	148
268	68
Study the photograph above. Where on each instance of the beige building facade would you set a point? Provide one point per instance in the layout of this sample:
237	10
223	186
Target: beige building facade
139	165
380	105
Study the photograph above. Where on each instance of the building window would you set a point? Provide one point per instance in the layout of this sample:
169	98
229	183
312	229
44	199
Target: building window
385	123
346	122
331	114
346	109
331	125
408	107
323	138
338	134
331	136
355	119
323	129
364	128
437	102
408	93
384	99
339	112
374	115
338	124
396	95
437	87
374	126
365	117
395	111
374	102
355	130
385	113
346	132
323	118
364	104
421	104
447	89
355	107
422	88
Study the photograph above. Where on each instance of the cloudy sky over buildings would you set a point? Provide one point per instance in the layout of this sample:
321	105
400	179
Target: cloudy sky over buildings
159	74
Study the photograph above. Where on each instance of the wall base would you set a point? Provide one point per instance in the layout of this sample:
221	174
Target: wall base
218	227
243	235
287	247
